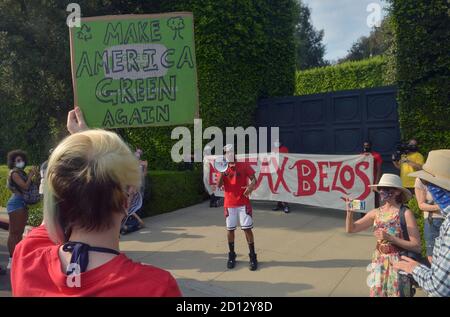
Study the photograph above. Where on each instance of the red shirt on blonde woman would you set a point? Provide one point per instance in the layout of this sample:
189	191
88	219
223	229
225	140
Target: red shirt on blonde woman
37	271
75	252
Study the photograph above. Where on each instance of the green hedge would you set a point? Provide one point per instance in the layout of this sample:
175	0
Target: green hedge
165	191
422	34
5	193
412	204
349	75
245	50
171	190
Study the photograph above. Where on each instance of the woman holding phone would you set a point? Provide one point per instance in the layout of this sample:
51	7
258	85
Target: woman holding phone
383	280
18	183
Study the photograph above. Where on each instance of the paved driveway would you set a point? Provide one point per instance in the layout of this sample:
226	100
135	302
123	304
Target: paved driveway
304	253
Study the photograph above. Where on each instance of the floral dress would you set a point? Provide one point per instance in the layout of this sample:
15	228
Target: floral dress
383	280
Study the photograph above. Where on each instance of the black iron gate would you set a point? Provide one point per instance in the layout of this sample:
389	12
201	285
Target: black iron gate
337	122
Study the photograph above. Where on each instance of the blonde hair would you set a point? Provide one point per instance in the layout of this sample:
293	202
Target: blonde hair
87	176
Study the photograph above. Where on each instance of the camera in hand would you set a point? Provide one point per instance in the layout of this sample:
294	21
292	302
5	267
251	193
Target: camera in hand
402	148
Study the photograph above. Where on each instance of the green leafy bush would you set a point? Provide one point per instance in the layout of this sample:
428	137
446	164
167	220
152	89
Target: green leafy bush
414	207
5	193
35	215
171	190
422	35
165	191
349	75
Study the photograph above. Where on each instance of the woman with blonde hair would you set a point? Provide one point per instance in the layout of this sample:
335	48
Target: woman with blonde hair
75	252
383	280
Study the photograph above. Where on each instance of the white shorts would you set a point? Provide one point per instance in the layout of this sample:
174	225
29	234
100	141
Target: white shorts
243	213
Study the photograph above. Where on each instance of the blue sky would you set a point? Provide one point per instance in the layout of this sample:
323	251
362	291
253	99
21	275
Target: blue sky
343	21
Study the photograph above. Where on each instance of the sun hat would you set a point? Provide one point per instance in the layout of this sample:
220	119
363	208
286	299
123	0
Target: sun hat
393	181
436	169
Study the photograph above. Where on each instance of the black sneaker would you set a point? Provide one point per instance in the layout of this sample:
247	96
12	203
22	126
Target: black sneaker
231	260
253	262
277	207
286	210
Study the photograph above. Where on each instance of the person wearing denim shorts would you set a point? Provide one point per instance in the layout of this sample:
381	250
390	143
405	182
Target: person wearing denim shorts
18	181
433	218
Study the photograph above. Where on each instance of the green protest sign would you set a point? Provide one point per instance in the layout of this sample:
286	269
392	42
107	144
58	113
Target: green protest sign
135	70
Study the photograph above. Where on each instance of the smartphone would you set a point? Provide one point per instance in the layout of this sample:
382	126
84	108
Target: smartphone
357	204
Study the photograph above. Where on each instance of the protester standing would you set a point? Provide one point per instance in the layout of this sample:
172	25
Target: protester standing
432	216
436	279
279	148
383	280
377	164
377	160
237	205
18	182
410	162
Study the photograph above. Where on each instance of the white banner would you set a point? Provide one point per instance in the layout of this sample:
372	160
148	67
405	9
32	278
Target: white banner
309	179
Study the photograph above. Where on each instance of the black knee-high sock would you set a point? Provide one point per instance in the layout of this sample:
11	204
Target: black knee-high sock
231	246
251	247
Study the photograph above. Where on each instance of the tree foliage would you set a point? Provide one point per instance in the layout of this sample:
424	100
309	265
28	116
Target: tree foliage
245	51
310	50
377	43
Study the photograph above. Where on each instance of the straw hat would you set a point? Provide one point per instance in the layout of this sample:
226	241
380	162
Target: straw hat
393	181
436	169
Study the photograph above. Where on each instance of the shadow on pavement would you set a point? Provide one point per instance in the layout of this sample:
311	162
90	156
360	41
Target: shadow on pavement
193	288
204	262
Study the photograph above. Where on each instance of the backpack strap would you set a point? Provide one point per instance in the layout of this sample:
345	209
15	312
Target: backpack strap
414	255
403	223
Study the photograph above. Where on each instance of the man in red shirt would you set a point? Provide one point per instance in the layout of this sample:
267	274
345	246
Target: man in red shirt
377	162
279	148
237	203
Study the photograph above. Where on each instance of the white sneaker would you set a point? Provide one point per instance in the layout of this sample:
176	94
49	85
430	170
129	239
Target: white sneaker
8	267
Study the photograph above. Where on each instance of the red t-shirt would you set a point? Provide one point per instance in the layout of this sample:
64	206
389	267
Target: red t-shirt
377	162
233	184
37	272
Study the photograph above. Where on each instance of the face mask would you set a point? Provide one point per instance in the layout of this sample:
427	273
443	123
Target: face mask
276	144
385	195
441	197
20	165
